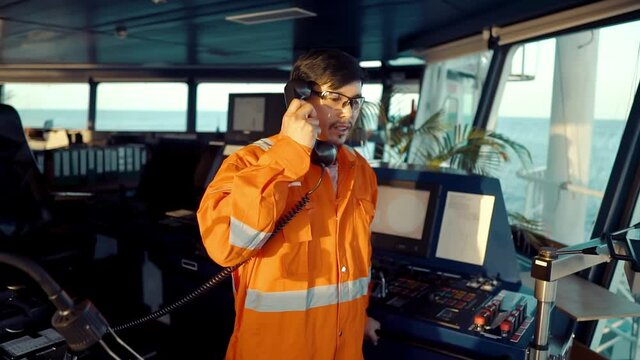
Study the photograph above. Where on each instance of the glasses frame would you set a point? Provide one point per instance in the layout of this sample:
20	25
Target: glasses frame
350	100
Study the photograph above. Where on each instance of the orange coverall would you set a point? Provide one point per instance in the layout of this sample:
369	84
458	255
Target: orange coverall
304	293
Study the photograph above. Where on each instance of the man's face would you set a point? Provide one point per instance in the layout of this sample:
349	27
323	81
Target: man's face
337	110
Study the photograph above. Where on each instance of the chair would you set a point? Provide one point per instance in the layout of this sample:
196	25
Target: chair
29	223
22	186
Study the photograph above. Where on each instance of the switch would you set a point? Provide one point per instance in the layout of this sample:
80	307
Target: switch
507	326
480	320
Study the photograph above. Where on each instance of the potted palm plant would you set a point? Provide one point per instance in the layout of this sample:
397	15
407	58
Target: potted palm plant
476	151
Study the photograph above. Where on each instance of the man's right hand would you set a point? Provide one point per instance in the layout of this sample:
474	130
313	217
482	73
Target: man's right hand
300	123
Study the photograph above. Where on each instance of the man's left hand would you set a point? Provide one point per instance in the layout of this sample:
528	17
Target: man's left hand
370	330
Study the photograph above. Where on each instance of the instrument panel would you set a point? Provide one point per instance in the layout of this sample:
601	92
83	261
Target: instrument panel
476	315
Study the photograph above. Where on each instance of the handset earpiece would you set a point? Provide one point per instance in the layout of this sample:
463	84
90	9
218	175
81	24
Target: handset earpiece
298	89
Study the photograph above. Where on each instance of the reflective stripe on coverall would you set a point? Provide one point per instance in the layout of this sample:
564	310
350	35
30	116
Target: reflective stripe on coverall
303	295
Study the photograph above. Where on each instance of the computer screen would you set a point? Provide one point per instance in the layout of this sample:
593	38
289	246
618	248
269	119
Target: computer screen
404	217
252	117
184	165
464	230
392	218
249	113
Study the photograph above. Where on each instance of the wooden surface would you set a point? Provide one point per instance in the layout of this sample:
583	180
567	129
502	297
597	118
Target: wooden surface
581	352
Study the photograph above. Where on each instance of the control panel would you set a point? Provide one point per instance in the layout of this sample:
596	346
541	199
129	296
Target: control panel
476	314
46	344
506	316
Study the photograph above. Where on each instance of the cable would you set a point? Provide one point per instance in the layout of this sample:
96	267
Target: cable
217	278
106	348
56	294
125	345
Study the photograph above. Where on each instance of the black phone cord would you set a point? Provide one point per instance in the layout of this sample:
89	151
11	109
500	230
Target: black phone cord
217	278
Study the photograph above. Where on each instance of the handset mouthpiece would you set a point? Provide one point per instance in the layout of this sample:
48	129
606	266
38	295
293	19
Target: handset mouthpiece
324	153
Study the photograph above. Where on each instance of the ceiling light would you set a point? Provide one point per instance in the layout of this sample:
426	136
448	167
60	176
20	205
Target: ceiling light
371	64
269	16
402	61
121	32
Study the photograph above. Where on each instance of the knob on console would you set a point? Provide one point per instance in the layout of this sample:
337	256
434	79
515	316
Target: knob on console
480	320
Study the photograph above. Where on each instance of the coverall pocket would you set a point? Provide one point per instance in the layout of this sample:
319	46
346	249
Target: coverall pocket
368	208
295	254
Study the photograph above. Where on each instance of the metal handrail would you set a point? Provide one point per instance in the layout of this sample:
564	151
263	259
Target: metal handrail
536	175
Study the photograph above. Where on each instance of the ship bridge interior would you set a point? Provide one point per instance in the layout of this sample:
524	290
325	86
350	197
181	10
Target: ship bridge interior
116	115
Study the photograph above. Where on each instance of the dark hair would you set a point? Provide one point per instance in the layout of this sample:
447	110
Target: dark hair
332	67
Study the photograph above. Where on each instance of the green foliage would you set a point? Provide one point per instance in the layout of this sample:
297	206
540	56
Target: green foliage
462	147
401	133
524	222
458	146
531	232
476	151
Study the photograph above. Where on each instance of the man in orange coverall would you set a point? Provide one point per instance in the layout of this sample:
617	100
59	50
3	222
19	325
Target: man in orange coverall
303	293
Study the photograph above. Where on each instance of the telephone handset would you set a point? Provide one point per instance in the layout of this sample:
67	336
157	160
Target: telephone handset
324	153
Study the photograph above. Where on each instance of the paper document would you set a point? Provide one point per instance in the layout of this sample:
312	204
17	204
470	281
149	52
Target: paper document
465	227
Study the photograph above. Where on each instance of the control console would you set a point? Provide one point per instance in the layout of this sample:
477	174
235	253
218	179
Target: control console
475	314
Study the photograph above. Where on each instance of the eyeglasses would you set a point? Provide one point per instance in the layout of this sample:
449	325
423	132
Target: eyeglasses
337	100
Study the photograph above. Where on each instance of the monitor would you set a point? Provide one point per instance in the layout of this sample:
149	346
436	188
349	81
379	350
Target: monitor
462	229
253	116
184	165
404	217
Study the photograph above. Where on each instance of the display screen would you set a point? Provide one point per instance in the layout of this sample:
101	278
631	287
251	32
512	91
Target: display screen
249	113
401	212
404	217
443	219
251	117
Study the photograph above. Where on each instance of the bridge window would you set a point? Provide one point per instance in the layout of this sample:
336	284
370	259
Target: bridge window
372	92
213	100
61	106
451	87
404	100
567	100
149	106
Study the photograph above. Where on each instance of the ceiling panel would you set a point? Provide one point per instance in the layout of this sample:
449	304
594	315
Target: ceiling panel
195	32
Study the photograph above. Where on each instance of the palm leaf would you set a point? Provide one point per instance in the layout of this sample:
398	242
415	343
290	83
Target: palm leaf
529	230
369	116
516	218
367	122
476	151
520	150
464	147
